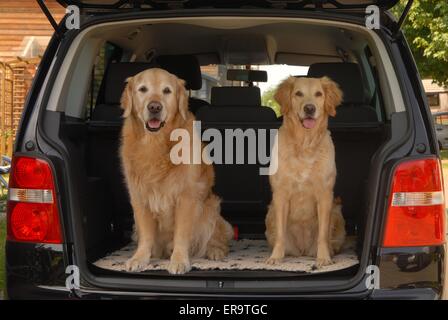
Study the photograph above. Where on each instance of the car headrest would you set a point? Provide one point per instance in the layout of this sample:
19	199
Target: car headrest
116	75
240	114
185	67
347	75
236	96
247	75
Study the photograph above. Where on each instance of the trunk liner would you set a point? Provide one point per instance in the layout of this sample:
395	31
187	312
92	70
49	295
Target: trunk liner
244	255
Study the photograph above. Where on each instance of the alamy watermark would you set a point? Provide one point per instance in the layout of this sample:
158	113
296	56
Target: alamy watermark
373	277
73	20
373	17
235	146
72	282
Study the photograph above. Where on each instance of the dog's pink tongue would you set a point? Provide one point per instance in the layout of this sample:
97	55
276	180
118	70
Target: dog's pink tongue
309	123
154	123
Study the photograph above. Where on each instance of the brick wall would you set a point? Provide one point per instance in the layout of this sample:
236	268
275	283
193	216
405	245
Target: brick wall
24	35
20	20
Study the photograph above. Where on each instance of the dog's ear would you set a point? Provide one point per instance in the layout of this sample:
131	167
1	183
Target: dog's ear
182	98
126	98
283	95
333	95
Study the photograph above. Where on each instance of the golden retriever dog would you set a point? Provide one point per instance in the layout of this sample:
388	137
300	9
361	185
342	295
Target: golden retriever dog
303	218
176	214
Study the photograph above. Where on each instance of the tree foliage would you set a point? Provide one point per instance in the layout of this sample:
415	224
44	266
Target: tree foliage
426	29
267	99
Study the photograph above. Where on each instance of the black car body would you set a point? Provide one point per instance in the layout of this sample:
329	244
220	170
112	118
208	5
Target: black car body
42	270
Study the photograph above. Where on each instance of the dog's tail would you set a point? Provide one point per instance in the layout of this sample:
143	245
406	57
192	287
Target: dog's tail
337	201
213	206
230	232
338	233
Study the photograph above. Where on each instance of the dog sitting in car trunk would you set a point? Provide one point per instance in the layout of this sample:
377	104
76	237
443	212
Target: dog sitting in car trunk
176	213
303	218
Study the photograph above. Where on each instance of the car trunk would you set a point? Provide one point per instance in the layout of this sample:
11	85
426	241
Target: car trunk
103	225
107	219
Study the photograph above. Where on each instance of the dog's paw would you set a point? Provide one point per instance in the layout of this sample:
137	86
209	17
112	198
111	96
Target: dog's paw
136	264
274	260
216	254
179	267
323	261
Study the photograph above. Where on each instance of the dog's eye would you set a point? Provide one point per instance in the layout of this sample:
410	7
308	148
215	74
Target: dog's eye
143	89
318	94
166	90
299	93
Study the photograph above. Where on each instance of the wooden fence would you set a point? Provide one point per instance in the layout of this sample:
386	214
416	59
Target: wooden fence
15	81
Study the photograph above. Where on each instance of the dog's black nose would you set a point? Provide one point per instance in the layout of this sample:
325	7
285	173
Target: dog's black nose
154	107
309	109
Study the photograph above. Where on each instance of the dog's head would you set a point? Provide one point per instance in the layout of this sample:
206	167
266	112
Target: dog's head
310	100
154	98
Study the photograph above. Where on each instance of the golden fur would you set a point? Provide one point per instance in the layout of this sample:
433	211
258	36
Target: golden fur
303	218
176	214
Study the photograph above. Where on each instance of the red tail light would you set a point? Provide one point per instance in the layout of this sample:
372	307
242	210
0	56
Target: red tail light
32	208
416	213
